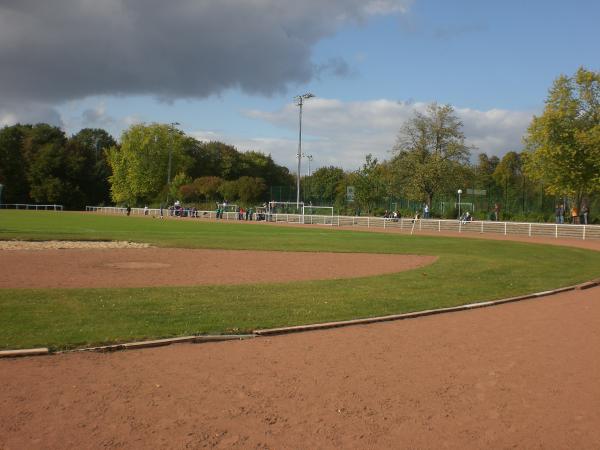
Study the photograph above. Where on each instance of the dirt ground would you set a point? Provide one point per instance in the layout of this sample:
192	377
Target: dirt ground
522	375
91	266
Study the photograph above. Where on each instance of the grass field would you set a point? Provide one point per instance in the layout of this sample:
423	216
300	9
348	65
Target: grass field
467	270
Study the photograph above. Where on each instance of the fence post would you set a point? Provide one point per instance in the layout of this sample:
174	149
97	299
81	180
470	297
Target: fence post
505	223
439	225
368	222
460	226
584	232
556	231
529	230
481	227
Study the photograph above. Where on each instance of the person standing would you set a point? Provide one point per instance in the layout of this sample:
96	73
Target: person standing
496	212
559	213
574	215
426	211
584	214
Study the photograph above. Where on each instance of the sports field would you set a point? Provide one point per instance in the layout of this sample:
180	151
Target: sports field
466	270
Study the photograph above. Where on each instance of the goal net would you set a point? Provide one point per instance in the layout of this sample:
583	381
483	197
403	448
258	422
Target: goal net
317	210
322	215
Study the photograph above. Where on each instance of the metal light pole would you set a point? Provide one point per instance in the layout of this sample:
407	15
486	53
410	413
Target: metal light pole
459	194
310	158
173	125
300	101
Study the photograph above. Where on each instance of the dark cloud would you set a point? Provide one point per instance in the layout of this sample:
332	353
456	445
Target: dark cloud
58	50
28	112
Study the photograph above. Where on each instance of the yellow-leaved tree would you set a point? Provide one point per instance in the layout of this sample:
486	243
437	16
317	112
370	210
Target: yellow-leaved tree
563	143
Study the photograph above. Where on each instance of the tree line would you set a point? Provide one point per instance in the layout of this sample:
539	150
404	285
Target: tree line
152	164
559	163
157	164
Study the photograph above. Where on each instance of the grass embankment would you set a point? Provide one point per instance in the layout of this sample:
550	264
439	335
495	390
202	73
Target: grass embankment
467	270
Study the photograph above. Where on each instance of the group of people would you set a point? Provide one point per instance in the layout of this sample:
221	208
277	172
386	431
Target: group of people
577	216
393	215
242	214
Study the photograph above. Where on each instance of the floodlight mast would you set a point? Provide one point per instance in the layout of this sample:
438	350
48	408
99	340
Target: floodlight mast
173	125
300	101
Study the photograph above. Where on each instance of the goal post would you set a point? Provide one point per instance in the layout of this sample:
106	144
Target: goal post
310	210
322	215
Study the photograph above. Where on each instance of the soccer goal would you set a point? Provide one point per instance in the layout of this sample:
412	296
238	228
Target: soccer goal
285	212
286	207
322	215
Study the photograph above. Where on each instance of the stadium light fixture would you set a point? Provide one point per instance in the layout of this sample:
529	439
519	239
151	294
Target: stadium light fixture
459	194
173	125
300	101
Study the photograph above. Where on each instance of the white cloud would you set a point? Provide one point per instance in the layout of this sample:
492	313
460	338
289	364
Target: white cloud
342	133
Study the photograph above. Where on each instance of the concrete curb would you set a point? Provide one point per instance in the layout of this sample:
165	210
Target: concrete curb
164	342
414	315
24	352
589	284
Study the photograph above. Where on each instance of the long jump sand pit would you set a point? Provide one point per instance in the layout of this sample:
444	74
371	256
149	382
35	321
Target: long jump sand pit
77	266
521	375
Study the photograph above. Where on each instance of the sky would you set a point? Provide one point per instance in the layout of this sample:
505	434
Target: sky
228	70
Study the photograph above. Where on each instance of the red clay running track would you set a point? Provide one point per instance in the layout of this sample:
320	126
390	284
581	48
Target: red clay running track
522	375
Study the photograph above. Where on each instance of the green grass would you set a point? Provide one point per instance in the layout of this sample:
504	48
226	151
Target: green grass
467	270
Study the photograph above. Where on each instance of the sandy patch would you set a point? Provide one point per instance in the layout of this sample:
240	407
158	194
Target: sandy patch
145	267
59	245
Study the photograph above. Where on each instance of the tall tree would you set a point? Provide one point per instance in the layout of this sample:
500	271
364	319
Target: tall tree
207	187
13	168
484	170
251	189
323	184
95	185
140	167
430	151
509	175
369	184
563	143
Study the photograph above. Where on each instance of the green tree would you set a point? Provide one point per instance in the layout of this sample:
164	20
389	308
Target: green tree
251	190
140	165
323	185
229	190
484	170
214	159
180	180
59	174
13	168
563	143
208	187
369	184
430	153
96	171
509	175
